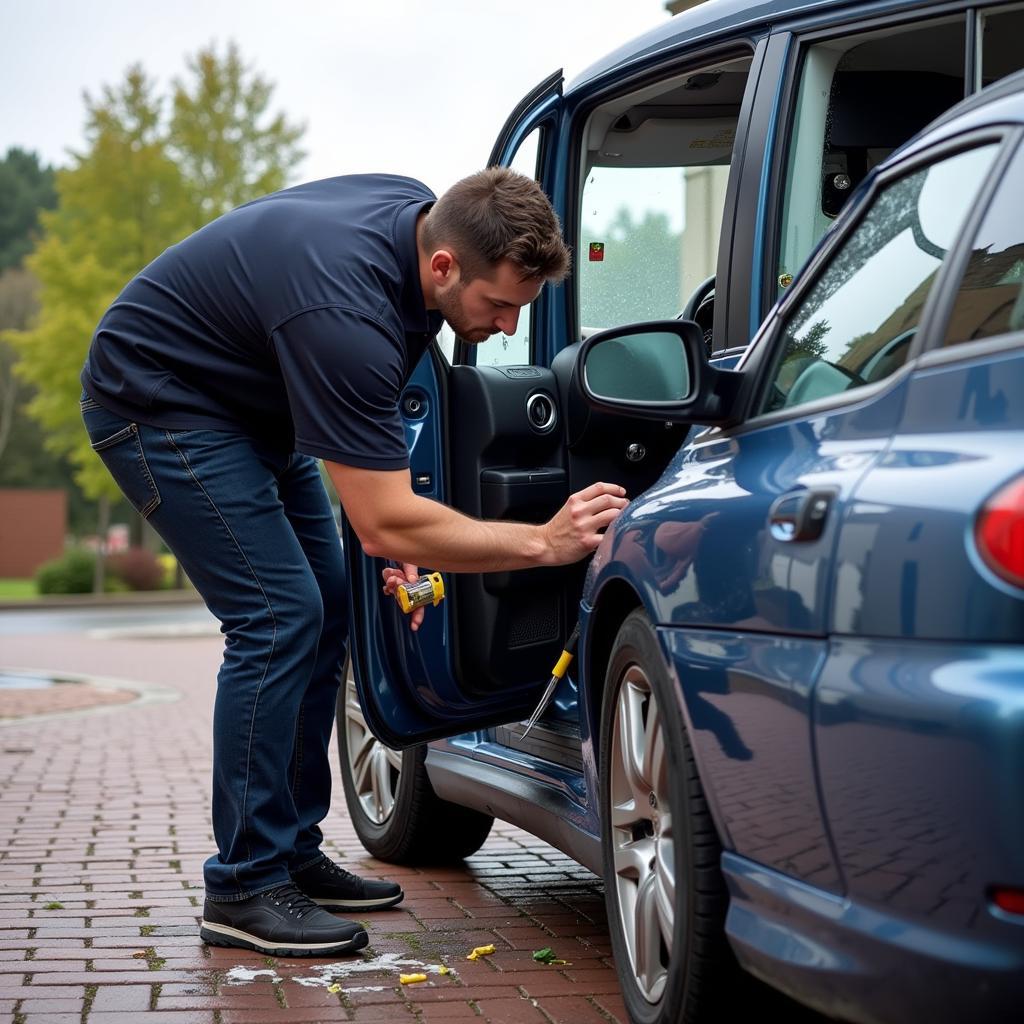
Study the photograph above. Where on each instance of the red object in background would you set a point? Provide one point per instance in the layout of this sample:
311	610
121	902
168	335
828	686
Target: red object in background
33	528
597	252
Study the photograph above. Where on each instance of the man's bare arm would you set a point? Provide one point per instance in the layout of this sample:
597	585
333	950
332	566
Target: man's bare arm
393	522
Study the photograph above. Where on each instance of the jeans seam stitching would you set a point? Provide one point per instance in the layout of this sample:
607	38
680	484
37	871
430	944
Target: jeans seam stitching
273	642
248	894
297	755
116	438
153	502
308	864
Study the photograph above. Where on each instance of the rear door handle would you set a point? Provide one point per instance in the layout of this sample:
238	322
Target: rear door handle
800	516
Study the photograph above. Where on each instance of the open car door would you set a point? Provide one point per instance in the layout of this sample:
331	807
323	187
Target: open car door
478	657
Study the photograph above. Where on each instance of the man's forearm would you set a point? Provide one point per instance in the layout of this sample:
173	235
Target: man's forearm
442	538
392	521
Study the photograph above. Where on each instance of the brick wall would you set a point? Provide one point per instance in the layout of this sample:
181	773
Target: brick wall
32	529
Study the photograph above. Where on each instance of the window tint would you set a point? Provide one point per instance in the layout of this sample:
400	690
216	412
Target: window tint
856	324
656	167
859	99
990	299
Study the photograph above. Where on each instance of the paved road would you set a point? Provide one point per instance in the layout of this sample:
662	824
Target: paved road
30	622
104	825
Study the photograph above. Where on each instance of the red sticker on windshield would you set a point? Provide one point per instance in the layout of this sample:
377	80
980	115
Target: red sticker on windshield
597	252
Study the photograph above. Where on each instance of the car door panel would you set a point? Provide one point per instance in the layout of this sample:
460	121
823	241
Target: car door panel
508	626
748	699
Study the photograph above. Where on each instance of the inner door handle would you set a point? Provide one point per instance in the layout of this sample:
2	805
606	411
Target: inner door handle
800	515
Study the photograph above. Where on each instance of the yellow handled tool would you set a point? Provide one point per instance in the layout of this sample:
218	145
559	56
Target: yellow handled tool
426	590
561	667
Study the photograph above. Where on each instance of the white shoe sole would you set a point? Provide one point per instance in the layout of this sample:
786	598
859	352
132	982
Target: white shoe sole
224	935
378	904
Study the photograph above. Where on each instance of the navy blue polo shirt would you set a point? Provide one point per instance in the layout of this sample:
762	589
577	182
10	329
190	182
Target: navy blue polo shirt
297	317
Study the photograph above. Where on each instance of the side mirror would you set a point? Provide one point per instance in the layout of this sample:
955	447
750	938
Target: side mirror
659	371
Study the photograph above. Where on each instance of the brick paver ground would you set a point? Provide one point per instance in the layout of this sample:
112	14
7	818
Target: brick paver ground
103	830
64	696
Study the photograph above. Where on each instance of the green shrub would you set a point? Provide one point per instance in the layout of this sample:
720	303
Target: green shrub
72	573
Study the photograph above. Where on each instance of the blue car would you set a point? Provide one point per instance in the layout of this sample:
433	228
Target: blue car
792	742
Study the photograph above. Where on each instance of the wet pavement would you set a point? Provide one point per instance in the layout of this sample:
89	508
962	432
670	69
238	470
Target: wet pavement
104	825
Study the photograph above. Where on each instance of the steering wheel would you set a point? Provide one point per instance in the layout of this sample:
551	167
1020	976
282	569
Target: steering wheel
700	308
697	296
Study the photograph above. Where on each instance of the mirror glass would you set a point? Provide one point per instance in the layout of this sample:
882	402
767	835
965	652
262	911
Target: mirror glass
639	368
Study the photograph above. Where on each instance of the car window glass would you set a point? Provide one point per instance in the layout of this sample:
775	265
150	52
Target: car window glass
513	349
860	98
1000	42
990	299
856	324
656	165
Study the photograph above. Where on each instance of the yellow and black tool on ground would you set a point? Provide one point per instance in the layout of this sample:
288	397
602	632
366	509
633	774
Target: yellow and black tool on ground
426	590
561	667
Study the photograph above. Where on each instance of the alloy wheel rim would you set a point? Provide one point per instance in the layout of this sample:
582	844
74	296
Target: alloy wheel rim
373	767
643	847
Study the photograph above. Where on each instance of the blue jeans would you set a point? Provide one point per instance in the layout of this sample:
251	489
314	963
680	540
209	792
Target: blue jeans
252	526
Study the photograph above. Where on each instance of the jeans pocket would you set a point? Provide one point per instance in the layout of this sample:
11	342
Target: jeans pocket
123	456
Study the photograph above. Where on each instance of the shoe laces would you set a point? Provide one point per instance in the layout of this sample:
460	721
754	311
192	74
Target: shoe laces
293	899
331	868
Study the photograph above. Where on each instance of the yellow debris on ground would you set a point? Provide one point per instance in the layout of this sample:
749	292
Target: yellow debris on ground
481	951
411	979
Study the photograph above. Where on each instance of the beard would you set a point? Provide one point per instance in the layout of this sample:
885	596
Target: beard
449	305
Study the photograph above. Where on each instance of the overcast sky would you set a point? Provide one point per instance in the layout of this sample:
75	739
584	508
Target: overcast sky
417	87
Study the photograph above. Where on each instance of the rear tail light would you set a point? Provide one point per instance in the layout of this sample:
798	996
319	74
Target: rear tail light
999	532
1010	901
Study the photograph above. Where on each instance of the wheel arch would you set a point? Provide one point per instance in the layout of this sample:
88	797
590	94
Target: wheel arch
614	602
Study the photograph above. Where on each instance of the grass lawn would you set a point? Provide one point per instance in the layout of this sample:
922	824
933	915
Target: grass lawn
17	589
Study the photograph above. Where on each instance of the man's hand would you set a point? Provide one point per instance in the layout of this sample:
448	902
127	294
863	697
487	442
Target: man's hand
407	574
572	533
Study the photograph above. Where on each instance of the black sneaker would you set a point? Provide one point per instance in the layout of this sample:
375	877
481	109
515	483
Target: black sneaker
330	886
281	922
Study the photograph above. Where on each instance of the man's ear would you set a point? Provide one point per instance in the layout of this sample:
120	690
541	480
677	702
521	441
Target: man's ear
444	268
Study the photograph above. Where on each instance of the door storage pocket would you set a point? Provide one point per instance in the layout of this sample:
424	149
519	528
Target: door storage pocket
122	454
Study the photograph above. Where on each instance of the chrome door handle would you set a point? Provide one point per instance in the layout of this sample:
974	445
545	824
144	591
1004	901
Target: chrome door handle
800	515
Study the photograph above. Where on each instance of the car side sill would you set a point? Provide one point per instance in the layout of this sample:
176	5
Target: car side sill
541	810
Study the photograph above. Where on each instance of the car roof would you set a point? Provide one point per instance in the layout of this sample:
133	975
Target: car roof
706	20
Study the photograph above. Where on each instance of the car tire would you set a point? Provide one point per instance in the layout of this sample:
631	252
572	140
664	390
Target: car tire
664	891
396	813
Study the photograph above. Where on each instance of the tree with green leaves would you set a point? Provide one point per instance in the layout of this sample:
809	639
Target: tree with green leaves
121	203
26	188
142	183
219	139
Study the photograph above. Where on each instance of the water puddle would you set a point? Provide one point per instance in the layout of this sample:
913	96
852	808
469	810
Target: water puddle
24	681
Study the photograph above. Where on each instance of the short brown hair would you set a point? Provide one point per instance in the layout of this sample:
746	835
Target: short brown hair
494	215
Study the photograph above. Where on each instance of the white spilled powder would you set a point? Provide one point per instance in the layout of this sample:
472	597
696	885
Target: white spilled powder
333	974
243	976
